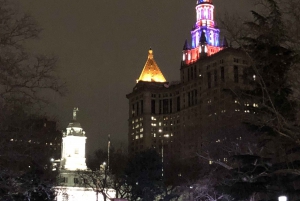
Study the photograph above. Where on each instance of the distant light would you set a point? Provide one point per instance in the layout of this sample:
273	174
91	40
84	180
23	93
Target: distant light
282	198
51	159
103	163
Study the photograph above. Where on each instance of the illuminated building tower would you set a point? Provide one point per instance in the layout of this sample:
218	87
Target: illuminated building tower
148	110
195	114
73	152
72	165
204	28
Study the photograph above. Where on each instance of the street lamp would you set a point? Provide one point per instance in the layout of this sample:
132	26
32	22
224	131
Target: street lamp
282	198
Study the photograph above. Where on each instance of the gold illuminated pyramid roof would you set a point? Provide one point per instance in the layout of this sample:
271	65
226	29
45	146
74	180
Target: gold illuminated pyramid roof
151	71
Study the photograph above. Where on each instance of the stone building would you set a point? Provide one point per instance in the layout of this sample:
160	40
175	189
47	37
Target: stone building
189	116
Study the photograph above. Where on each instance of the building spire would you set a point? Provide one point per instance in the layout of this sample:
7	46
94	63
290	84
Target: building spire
75	110
186	45
151	71
204	1
150	54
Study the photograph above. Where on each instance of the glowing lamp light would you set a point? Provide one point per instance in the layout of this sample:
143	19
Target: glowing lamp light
282	198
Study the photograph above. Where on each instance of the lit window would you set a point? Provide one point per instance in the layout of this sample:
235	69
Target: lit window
254	77
159	123
11	140
154	135
141	135
136	137
210	162
183	57
189	56
160	130
141	129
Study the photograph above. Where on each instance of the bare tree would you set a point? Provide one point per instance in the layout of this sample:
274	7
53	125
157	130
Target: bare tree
23	75
98	180
25	78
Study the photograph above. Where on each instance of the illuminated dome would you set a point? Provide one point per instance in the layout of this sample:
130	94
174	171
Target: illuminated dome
74	128
151	71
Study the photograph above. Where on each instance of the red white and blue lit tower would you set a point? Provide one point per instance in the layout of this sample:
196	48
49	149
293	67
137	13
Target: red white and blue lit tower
205	35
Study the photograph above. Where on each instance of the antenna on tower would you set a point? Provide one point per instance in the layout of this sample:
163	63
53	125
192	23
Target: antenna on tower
108	150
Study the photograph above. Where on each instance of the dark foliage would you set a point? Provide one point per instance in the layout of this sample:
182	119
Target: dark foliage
273	170
144	175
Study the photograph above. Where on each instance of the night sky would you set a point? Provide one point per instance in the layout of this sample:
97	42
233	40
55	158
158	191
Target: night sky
102	46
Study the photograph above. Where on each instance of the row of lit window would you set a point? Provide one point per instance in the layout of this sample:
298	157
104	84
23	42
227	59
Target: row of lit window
165	135
211	162
29	141
141	129
137	120
236	110
139	136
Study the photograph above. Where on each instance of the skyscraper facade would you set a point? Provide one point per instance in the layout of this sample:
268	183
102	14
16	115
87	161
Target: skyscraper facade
189	116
